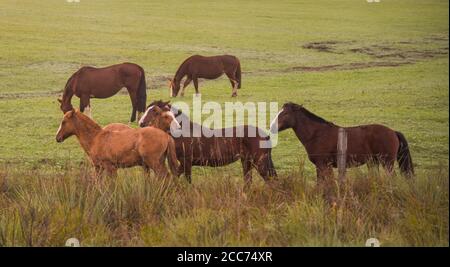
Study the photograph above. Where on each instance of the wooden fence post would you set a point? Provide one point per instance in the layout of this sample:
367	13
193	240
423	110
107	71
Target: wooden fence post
342	154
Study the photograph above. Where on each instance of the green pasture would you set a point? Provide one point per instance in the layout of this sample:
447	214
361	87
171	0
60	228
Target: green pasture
348	61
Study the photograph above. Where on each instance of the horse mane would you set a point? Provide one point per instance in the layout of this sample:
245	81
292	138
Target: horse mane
307	113
181	65
89	123
158	103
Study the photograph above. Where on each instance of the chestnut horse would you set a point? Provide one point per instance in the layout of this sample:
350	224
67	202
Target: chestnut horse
118	146
90	82
210	68
372	144
214	151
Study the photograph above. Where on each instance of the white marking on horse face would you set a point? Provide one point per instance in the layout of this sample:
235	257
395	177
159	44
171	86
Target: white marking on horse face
174	120
171	90
145	114
275	122
59	129
173	109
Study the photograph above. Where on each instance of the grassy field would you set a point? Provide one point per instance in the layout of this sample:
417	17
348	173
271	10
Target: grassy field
348	61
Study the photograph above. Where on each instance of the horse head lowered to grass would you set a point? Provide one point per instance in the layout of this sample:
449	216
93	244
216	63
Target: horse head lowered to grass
197	66
120	146
89	82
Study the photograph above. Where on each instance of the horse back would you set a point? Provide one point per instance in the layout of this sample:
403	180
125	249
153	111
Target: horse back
209	67
107	81
152	141
224	147
116	147
372	139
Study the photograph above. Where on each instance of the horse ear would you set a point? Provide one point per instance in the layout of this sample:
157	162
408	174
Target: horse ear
157	110
69	113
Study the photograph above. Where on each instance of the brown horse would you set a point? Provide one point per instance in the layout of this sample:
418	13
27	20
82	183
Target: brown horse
372	144
120	146
210	68
214	151
90	82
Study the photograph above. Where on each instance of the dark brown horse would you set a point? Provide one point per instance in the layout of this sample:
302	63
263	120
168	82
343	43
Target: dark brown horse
372	144
90	82
215	151
197	66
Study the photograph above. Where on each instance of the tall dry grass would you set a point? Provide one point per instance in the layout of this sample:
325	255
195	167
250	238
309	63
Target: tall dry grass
46	206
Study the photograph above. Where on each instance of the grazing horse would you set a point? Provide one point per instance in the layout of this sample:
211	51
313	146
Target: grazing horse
90	82
118	146
210	68
212	150
372	144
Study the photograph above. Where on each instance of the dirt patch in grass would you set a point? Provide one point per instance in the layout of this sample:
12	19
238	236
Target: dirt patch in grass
383	51
384	55
350	66
155	82
326	46
402	50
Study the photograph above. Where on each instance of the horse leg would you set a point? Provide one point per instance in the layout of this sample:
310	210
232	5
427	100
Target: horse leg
324	173
234	83
85	104
146	169
247	169
186	83
111	170
373	167
388	165
98	171
158	166
188	171
325	182
195	79
262	166
161	170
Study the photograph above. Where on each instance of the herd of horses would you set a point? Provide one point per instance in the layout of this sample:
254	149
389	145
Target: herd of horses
119	145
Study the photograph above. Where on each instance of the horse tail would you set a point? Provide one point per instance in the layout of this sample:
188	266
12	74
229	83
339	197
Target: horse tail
172	156
404	156
141	95
238	74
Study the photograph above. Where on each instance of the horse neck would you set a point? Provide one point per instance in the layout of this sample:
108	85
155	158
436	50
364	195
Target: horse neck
86	131
192	124
181	72
68	93
307	129
160	124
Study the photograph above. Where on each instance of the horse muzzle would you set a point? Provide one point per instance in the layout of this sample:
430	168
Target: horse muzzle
274	128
